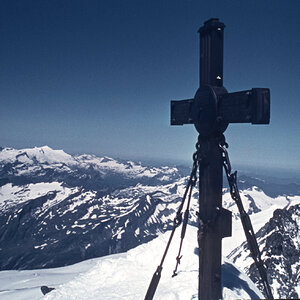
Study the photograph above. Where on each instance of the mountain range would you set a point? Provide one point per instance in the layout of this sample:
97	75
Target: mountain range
57	209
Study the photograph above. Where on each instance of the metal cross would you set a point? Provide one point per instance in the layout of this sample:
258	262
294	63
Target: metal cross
211	110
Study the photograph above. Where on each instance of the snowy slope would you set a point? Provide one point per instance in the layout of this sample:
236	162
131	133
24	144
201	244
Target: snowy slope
126	276
26	285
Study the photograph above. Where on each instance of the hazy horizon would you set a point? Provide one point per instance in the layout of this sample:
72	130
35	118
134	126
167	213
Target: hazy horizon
243	168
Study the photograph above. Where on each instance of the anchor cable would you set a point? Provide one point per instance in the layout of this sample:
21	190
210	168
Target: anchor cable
177	221
246	222
245	219
186	216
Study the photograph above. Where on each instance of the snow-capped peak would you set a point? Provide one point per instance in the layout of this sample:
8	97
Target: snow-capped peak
44	155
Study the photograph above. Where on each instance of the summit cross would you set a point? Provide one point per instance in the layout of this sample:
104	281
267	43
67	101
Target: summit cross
211	111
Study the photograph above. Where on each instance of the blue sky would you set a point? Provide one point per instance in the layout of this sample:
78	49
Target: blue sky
98	76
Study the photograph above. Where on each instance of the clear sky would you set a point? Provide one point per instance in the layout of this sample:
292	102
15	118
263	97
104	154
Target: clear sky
98	76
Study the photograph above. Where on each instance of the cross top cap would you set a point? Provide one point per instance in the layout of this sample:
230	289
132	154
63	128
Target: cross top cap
210	24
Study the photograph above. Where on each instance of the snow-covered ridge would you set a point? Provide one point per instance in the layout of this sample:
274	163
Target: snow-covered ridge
41	155
25	162
12	195
129	168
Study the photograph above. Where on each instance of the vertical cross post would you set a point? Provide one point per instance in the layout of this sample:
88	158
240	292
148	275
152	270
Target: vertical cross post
211	173
211	53
210	204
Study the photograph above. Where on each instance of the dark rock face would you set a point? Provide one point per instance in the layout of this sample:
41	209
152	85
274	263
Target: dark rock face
252	206
280	246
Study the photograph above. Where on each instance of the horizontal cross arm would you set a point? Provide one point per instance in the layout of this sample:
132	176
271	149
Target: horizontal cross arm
252	106
181	112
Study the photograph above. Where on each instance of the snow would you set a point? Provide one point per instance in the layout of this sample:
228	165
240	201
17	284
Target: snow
42	154
11	195
297	288
25	285
128	168
293	200
109	278
41	246
265	203
40	159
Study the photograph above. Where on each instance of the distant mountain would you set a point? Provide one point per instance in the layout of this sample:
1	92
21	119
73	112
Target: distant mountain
57	209
43	164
